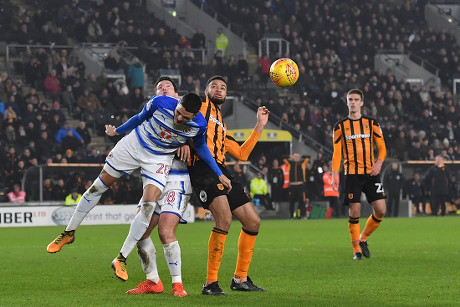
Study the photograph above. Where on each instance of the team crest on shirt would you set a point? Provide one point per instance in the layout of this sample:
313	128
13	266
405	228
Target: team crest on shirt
220	186
187	130
110	155
165	133
350	196
203	196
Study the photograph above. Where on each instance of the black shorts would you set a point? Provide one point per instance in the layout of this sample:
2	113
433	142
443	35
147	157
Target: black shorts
207	186
353	185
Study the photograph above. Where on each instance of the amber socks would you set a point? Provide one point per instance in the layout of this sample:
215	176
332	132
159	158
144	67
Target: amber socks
215	251
245	249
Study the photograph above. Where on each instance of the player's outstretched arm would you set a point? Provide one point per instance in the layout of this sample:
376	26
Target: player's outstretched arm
135	120
110	130
262	118
242	152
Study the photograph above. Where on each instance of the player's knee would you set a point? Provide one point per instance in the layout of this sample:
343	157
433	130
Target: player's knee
252	224
107	178
166	235
380	213
146	211
223	222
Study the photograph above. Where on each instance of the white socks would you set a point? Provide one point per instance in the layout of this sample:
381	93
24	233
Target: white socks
138	227
87	202
173	259
148	257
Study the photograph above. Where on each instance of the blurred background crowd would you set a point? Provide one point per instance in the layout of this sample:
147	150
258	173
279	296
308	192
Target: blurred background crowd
52	109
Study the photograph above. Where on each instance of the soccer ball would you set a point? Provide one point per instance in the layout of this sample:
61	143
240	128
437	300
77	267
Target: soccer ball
284	72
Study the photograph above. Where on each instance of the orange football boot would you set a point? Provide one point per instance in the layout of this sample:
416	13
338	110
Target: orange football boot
61	240
178	290
147	286
119	267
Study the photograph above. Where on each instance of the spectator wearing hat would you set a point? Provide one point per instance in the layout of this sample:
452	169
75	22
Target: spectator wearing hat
69	156
73	198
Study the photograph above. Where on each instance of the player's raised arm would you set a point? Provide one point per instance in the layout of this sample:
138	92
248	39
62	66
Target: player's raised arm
242	152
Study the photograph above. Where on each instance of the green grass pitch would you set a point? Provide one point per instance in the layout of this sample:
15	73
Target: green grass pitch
414	262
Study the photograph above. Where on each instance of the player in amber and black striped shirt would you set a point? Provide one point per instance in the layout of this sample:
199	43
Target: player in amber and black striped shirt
215	197
354	139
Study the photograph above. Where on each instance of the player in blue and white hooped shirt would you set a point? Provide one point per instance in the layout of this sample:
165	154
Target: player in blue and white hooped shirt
168	213
164	124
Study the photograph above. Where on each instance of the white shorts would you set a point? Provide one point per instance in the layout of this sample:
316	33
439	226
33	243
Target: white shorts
174	198
128	155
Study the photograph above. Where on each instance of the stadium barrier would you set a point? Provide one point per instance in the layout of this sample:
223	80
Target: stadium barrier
34	214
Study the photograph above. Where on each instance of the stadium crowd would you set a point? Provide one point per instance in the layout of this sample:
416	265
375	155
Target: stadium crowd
333	44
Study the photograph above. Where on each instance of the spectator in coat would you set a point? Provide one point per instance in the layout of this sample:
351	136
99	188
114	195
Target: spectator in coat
259	190
240	176
52	85
84	132
413	189
89	105
17	196
70	142
73	198
393	183
276	181
135	74
198	39
111	64
63	132
438	182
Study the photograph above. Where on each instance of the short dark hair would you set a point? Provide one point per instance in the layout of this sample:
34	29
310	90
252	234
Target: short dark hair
356	91
162	78
191	102
216	77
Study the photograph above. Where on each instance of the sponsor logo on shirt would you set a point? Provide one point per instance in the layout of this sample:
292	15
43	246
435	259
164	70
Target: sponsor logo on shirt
214	120
358	136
